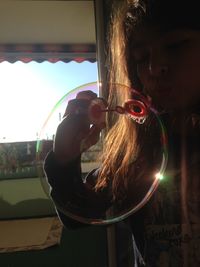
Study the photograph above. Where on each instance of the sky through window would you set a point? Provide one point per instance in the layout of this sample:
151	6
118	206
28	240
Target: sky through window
29	91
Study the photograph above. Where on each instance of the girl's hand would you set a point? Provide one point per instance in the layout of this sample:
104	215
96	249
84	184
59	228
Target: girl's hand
75	134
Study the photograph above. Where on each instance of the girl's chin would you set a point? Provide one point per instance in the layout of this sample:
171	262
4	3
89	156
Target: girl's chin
170	103
164	105
176	107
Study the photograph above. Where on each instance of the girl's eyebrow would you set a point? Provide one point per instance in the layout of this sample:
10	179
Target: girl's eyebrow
148	36
165	35
139	44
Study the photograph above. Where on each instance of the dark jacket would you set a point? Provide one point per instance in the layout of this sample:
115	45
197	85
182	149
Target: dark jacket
70	189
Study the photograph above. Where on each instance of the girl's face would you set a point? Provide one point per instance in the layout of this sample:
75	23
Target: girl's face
168	66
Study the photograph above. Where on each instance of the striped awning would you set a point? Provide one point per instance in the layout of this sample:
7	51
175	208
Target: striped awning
47	52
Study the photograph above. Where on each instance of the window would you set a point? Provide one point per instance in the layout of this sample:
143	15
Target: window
29	91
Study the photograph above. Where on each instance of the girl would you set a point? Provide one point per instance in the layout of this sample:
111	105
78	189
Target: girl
154	48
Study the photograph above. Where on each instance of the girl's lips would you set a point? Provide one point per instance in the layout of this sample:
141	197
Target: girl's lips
163	97
162	92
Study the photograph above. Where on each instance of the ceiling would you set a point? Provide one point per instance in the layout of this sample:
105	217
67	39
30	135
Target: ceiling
55	22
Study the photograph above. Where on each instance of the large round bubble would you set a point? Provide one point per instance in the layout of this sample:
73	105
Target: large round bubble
101	208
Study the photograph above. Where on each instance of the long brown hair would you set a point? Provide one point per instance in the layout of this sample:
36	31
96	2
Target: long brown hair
120	141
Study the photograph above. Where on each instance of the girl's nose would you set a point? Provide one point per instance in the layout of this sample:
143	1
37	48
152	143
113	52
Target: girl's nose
158	64
157	71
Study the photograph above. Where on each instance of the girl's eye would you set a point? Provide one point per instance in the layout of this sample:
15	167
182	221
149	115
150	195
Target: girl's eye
176	46
141	58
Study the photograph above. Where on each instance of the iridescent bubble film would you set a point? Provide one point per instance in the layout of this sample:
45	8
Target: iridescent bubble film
146	175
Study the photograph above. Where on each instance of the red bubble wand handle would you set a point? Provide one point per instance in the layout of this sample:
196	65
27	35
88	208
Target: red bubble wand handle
135	109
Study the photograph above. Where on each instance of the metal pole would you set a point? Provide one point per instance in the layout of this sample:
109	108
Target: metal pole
100	42
100	23
111	244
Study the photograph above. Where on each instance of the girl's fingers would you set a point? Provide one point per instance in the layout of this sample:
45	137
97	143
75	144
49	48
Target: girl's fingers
77	106
80	104
89	95
92	138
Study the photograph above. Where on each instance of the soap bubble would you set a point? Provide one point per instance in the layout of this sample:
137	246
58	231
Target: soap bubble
86	205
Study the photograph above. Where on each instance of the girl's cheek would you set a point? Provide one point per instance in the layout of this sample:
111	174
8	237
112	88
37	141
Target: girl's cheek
143	73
